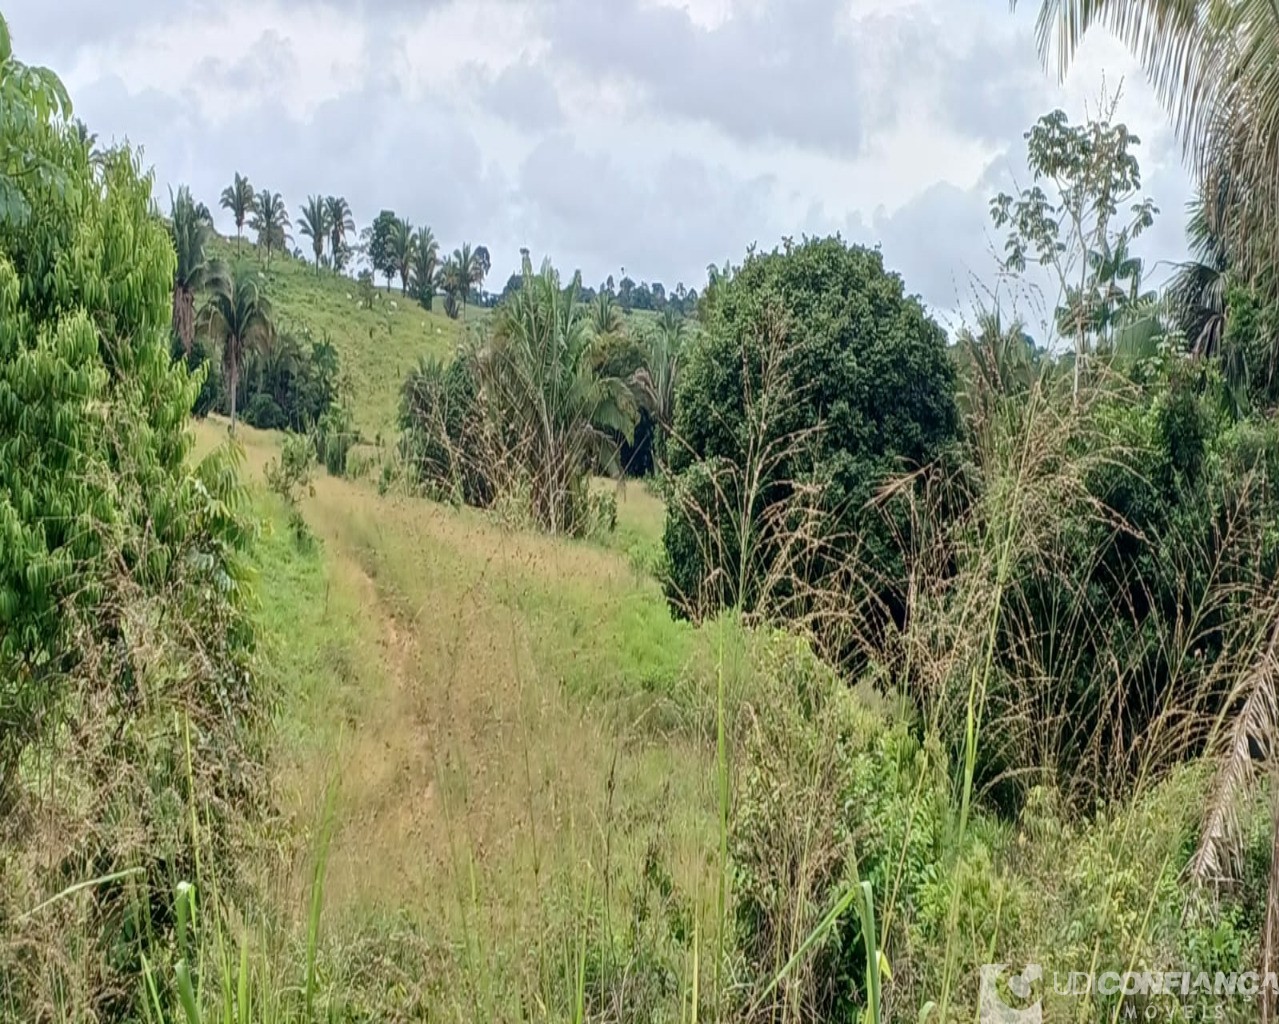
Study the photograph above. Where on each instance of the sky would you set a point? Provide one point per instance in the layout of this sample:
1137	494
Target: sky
651	136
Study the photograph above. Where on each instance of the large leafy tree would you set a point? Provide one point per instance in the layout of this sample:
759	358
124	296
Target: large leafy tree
341	224
403	241
426	264
559	417
238	198
270	220
817	378
314	223
378	246
105	518
237	317
190	232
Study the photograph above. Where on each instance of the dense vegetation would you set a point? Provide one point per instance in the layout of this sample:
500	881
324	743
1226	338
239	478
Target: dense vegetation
895	656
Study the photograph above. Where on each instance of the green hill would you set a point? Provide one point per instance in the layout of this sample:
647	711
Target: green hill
377	346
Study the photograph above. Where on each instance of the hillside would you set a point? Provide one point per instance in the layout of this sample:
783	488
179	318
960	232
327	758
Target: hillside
377	346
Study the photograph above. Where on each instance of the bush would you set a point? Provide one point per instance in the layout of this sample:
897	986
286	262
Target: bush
445	437
816	379
335	435
125	644
264	413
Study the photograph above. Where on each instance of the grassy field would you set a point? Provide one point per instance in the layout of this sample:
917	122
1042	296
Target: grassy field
377	346
507	716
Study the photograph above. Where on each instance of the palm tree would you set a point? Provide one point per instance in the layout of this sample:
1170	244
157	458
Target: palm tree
238	198
606	318
271	221
1212	63
1197	292
426	262
190	232
994	359
557	412
236	316
470	271
454	283
662	358
403	241
315	225
340	223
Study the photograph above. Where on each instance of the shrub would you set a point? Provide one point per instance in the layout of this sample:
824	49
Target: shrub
264	413
816	379
124	641
335	435
445	431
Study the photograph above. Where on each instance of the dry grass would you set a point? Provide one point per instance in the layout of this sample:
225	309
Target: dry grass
513	707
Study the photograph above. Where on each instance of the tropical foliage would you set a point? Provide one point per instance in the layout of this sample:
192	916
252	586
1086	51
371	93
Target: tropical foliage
270	220
237	318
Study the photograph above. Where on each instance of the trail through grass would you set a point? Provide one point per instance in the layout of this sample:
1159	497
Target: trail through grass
495	703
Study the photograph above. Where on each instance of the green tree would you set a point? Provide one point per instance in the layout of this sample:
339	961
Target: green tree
1213	67
559	418
426	265
815	380
378	246
468	272
453	282
403	241
314	223
605	317
109	527
237	317
663	356
190	233
340	225
1091	212
238	198
25	91
270	220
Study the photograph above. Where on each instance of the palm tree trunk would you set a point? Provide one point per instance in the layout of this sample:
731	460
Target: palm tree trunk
235	382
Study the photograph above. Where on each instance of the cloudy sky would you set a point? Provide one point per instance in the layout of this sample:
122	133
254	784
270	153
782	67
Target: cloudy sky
655	135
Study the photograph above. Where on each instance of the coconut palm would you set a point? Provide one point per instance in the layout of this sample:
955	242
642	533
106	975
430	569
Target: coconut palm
238	198
340	225
469	273
270	220
236	316
426	265
190	232
560	416
454	283
314	223
403	241
1197	292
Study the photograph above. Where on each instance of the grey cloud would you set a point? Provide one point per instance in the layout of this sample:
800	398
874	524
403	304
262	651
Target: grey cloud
270	59
48	31
777	72
678	215
522	94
